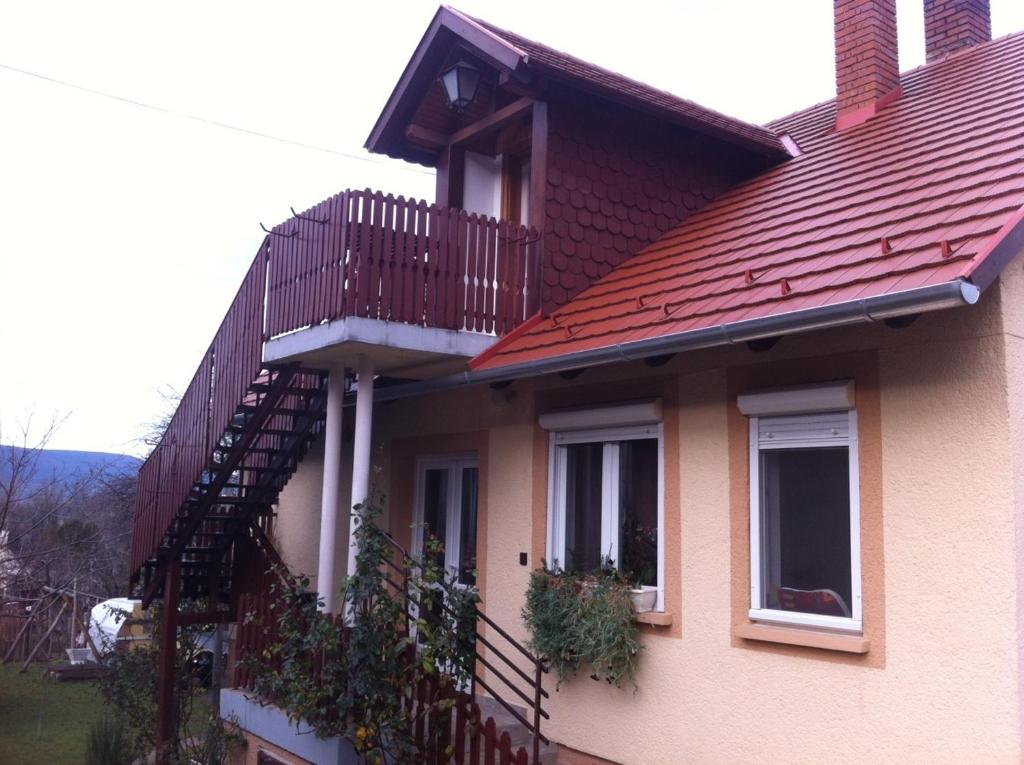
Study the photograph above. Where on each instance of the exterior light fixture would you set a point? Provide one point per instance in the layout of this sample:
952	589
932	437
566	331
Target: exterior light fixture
461	82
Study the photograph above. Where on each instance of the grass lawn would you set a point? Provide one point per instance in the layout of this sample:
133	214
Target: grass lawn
43	722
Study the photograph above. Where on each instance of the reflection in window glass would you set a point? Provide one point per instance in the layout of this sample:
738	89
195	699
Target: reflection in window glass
638	510
583	507
435	505
806	530
467	529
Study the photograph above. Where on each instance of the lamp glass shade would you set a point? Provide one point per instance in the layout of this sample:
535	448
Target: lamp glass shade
460	85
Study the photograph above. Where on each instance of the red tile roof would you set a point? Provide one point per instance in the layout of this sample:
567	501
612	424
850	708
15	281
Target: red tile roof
561	66
917	196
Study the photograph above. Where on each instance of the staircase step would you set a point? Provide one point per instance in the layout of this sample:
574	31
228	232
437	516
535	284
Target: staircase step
306	392
245	409
264	431
253	450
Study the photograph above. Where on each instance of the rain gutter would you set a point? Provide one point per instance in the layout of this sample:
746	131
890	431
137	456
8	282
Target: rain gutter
932	298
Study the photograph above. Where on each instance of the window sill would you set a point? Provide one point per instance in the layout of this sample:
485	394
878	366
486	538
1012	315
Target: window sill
654	618
810	638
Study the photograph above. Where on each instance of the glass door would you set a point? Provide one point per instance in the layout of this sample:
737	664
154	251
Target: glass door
446	511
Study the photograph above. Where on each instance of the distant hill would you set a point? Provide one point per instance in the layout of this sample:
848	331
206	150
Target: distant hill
67	466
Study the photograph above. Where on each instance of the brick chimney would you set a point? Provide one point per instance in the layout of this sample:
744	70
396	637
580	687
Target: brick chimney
950	25
867	67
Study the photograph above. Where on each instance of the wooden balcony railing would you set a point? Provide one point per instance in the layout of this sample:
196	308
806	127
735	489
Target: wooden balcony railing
361	253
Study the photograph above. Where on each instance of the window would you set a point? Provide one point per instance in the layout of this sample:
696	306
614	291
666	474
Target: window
804	507
606	492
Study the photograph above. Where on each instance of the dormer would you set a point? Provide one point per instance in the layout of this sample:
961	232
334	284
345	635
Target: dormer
600	165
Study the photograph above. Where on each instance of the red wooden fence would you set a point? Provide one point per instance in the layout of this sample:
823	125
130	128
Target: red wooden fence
361	253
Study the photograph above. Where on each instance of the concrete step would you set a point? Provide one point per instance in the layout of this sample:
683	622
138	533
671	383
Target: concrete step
520	736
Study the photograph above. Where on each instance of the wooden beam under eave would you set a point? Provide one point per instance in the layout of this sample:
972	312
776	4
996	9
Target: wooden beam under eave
494	121
450	171
425	138
538	191
520	84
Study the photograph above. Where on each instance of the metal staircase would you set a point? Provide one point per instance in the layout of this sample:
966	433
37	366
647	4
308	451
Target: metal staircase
270	432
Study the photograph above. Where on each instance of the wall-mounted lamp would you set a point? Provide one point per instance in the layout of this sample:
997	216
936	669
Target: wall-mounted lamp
461	82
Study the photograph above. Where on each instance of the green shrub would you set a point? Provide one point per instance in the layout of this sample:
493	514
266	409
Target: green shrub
109	743
583	619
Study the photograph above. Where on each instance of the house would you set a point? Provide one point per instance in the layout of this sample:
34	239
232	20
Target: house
790	355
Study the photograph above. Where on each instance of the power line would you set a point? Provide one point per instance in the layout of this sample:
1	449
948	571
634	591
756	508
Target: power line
204	120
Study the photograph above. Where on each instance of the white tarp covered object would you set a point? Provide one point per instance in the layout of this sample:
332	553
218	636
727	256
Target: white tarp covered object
105	621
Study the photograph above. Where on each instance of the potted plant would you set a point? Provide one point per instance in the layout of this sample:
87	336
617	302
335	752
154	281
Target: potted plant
640	564
643	597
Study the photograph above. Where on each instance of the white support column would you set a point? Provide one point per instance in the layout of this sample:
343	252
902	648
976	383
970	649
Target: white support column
361	451
331	496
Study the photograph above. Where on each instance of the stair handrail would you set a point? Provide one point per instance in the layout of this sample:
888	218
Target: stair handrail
540	667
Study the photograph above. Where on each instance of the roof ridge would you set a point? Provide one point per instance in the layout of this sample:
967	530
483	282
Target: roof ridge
915	71
485	28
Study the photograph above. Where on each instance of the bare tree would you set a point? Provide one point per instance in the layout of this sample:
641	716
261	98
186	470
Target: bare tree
19	465
154	430
65	527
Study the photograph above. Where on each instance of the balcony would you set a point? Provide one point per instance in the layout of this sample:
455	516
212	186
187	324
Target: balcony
446	282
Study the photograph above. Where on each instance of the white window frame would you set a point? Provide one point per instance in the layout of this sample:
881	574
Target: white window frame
557	466
781	403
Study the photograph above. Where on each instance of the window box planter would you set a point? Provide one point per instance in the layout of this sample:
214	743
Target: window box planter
584	621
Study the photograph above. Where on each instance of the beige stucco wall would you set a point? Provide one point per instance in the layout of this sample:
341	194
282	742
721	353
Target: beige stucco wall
296	529
1012	307
944	686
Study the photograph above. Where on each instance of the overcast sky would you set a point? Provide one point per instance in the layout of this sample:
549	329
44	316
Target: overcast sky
124	231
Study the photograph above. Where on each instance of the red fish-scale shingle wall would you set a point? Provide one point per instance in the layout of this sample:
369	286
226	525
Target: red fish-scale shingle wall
617	182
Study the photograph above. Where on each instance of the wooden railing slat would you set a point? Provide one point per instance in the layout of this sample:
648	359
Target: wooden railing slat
387	258
494	231
490	741
457	307
469	304
399	308
461	709
475	733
